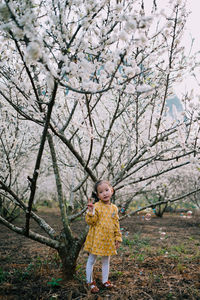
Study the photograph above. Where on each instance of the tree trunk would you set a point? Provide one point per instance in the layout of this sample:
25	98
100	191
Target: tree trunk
69	254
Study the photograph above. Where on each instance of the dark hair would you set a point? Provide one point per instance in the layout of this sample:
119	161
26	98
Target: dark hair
94	196
95	193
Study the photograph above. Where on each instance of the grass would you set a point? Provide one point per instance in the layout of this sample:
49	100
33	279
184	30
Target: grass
137	241
139	248
19	273
145	267
15	275
3	275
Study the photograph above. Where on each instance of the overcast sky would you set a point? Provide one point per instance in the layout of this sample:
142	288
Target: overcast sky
194	21
192	32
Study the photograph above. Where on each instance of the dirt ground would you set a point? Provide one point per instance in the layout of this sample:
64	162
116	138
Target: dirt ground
158	259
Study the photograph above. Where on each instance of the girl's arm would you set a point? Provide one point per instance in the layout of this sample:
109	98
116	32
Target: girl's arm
92	214
117	232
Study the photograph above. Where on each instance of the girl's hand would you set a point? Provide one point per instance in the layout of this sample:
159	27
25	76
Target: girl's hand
90	204
117	244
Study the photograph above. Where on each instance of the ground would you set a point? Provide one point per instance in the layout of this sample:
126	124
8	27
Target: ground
158	259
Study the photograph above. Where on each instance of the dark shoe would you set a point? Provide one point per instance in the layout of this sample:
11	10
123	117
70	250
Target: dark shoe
93	288
108	285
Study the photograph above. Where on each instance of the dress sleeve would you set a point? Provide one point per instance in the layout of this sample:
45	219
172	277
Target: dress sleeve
117	232
91	217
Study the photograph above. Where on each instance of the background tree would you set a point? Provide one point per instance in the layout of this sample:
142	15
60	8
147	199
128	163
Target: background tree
90	80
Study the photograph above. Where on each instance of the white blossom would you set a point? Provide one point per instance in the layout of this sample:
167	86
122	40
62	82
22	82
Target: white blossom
130	88
143	88
123	35
4	12
109	67
33	51
129	71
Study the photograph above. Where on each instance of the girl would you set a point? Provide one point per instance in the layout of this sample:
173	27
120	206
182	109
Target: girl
104	234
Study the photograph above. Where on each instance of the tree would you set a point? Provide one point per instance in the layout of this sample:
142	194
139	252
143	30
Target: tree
91	78
14	147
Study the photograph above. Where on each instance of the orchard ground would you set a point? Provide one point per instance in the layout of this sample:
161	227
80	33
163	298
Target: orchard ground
158	259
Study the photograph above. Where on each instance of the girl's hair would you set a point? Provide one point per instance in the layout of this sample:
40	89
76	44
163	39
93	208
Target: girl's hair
95	193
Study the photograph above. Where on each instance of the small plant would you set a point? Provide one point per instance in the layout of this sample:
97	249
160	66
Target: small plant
127	242
116	274
136	241
179	248
162	251
20	275
80	273
158	277
173	256
180	268
30	267
54	282
155	278
3	275
170	296
121	248
140	257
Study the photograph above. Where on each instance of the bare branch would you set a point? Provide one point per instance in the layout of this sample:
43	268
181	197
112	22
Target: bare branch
32	235
159	203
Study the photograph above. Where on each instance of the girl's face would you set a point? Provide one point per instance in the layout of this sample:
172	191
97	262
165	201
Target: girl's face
104	192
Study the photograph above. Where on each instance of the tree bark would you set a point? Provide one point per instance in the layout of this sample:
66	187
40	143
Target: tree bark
68	254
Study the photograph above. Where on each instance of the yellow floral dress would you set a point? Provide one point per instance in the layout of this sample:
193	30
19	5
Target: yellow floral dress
104	229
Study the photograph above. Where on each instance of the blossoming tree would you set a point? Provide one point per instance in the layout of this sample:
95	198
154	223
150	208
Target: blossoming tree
86	84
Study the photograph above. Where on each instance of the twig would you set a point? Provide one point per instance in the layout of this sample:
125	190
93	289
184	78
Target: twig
147	295
159	203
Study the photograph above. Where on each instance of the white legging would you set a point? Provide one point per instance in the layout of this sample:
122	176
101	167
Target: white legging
105	267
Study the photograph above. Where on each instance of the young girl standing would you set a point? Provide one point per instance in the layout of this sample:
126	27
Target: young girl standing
104	234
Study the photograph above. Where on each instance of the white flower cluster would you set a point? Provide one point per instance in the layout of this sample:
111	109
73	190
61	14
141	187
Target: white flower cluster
33	51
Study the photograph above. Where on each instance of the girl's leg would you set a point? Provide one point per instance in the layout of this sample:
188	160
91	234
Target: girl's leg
105	268
89	267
